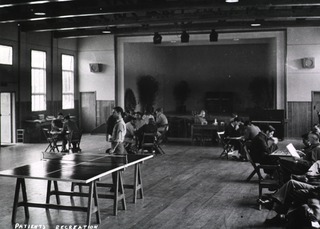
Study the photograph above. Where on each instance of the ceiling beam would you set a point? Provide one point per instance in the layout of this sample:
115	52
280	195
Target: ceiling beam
220	27
160	18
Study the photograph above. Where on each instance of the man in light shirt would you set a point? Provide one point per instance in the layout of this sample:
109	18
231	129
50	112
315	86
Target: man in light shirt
118	132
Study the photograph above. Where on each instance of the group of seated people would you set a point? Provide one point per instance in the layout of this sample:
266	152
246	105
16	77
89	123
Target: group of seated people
61	127
296	203
137	124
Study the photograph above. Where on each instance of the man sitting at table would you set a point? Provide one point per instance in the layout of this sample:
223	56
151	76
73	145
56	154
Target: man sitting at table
57	123
150	127
161	120
201	118
130	137
232	131
299	166
56	128
139	121
250	130
260	150
68	127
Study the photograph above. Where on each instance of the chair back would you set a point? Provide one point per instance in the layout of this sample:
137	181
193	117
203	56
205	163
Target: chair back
75	136
45	132
148	139
246	148
163	136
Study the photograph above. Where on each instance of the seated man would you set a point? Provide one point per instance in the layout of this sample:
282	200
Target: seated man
161	120
260	150
68	127
130	136
295	194
139	121
201	118
56	128
250	130
57	124
299	166
232	130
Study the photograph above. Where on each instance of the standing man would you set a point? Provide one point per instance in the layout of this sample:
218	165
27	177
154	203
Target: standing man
118	132
117	138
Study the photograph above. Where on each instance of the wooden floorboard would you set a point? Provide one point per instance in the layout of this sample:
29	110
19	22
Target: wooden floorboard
188	187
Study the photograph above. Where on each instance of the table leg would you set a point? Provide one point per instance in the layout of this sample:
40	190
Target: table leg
89	209
96	202
116	193
24	197
139	181
121	190
56	189
15	200
48	192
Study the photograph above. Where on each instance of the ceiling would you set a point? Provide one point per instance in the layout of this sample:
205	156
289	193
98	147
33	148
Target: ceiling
78	18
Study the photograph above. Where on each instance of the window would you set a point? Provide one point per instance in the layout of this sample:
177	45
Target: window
38	81
67	82
5	54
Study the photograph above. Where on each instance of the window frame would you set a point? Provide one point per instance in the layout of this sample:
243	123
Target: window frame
68	93
10	46
44	93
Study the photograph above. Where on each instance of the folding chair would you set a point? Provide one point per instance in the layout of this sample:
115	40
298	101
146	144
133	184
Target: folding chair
74	139
150	144
227	147
51	139
264	182
163	136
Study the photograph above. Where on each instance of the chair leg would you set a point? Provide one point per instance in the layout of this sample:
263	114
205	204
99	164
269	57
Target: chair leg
251	175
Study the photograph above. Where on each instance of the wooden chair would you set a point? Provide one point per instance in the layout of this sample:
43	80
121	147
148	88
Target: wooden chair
74	140
150	144
227	147
264	182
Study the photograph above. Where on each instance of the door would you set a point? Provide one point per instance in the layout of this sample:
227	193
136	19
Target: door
315	107
7	122
88	111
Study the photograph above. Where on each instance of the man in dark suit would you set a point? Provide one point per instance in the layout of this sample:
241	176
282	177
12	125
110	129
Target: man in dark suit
260	150
69	126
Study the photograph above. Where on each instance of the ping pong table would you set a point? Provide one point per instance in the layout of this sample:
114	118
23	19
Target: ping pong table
80	168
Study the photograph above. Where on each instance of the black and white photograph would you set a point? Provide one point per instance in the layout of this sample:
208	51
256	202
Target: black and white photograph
159	114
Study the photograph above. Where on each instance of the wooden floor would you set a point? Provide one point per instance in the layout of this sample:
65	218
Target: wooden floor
188	187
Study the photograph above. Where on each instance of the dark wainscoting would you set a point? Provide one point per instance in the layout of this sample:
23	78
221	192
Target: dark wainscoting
104	110
299	118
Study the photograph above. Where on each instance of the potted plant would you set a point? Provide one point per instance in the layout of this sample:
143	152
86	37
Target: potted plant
130	102
181	92
148	88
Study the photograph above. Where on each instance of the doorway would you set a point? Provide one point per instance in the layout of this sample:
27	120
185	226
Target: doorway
7	118
88	112
315	96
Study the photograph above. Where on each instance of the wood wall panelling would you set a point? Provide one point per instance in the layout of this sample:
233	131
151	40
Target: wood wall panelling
299	118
